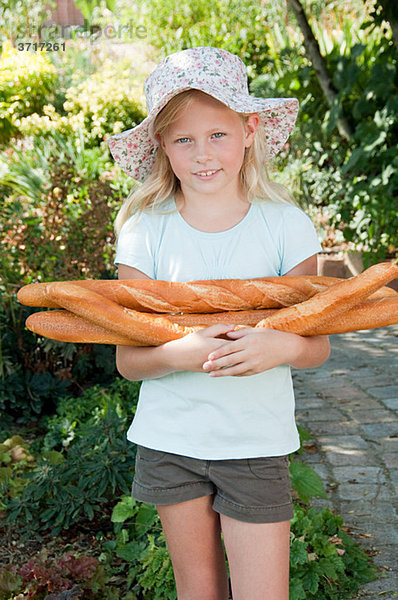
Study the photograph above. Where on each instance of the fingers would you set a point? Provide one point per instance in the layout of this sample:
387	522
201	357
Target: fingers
239	333
218	329
225	361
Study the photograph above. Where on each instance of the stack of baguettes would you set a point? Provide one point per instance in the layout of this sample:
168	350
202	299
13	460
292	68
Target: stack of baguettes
142	312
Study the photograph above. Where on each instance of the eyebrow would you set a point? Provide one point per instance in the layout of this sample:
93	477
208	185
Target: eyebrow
179	134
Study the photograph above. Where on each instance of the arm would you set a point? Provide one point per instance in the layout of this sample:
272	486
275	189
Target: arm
309	351
253	351
142	362
150	362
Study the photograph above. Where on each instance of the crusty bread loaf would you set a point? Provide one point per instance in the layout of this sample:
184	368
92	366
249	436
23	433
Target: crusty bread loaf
322	309
201	296
67	327
101	311
207	296
370	314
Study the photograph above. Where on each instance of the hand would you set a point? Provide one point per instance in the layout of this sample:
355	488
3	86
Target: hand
189	352
252	351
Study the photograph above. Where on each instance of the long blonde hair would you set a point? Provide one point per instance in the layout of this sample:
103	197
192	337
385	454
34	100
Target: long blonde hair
162	184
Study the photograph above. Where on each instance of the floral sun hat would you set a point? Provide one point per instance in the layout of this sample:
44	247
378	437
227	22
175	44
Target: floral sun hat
213	71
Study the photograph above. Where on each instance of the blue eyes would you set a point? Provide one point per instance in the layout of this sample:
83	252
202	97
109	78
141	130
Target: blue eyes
217	135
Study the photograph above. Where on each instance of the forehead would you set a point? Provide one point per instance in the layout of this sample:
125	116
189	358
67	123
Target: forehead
210	110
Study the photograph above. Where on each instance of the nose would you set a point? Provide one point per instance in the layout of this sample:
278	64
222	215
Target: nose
203	151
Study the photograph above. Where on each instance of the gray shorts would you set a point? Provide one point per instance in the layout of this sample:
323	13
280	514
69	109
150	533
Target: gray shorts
255	490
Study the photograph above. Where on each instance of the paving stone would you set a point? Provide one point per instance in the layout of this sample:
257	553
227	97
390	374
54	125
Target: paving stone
342	442
364	510
364	402
372	416
355	457
387	557
393	473
382	586
382	532
380	431
389	391
372	536
333	427
308	402
370	382
318	414
359	474
356	491
390	459
391	403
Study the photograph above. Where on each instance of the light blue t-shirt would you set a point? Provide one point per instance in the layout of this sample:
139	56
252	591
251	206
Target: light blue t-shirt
192	413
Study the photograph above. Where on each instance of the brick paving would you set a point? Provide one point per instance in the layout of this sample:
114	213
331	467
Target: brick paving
350	407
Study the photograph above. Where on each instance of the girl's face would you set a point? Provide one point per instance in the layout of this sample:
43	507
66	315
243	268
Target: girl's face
206	147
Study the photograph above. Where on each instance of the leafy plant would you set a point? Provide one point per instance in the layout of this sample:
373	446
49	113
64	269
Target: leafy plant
15	460
27	81
71	418
97	466
106	102
325	563
56	224
141	546
306	481
240	27
82	575
353	182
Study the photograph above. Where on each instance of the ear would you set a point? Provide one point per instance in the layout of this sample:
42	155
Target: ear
159	139
251	126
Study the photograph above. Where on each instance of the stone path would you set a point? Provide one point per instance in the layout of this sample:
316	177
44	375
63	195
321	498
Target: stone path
350	407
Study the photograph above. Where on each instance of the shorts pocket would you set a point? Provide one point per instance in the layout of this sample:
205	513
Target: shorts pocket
149	454
269	467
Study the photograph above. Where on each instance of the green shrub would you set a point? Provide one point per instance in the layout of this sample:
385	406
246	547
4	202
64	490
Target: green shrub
109	101
27	82
325	563
57	210
241	27
354	182
97	467
71	417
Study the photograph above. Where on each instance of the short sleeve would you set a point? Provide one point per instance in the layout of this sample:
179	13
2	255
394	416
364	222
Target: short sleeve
299	239
134	247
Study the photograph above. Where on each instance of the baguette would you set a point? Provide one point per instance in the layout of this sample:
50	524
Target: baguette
101	311
67	327
370	314
320	310
201	296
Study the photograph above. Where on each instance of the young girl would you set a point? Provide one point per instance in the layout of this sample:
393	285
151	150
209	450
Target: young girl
215	418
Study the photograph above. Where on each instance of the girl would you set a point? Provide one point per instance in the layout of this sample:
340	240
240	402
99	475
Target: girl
215	419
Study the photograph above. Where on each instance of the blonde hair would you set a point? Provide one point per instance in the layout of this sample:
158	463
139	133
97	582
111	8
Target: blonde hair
162	184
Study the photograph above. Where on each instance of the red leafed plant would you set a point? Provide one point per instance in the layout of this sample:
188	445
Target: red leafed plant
59	575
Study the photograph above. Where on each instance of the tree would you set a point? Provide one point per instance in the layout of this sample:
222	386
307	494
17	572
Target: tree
319	64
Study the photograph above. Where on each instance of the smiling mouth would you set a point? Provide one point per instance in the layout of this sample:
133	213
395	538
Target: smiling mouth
207	173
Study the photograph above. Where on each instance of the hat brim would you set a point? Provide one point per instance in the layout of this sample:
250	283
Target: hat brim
135	149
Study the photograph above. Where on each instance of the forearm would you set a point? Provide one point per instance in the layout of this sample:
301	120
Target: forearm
143	362
310	351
